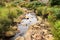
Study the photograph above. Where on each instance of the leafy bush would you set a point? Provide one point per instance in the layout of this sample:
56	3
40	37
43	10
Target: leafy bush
55	12
56	31
55	2
31	5
39	10
52	12
7	18
55	19
42	11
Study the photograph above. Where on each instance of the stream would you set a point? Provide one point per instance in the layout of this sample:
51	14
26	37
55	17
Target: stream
25	23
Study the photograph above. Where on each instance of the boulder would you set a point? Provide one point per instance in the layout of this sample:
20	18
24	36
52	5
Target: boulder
9	33
39	19
14	28
22	16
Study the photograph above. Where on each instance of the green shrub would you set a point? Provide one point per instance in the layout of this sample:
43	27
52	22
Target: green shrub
56	12
42	10
55	19
39	10
31	5
55	2
56	31
7	16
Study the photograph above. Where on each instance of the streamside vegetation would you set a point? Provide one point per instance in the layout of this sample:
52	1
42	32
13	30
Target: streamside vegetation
9	12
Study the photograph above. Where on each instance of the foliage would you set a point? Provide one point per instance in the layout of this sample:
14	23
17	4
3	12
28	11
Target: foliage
12	2
43	11
54	18
31	5
56	31
7	18
55	13
55	2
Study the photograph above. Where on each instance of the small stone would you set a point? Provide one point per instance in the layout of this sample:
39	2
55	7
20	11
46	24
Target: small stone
22	16
36	26
26	17
37	36
9	33
19	38
14	28
45	31
39	18
42	25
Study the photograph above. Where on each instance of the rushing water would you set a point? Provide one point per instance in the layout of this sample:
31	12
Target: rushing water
25	23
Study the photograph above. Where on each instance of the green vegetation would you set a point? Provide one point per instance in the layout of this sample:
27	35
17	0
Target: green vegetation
55	2
7	16
57	30
9	11
53	17
31	5
50	12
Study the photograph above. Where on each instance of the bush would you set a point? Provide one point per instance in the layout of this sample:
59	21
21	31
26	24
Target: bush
55	2
55	19
39	11
7	18
56	12
42	11
56	31
31	5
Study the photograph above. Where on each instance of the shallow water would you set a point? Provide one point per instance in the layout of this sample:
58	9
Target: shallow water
25	23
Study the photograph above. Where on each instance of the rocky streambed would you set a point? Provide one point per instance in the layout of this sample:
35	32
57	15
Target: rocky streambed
33	27
28	19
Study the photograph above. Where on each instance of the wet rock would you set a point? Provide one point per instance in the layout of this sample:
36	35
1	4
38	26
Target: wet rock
24	25
19	38
22	17
26	17
18	20
9	33
14	28
39	19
